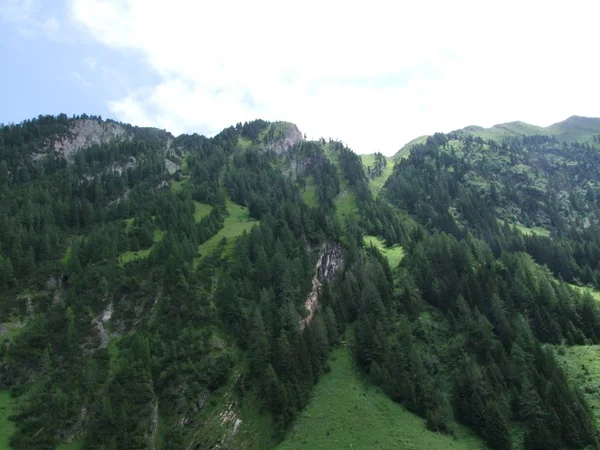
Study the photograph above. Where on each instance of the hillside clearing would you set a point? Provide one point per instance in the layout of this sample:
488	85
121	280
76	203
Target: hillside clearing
309	193
234	225
375	184
393	254
345	202
202	210
593	292
526	230
346	412
582	366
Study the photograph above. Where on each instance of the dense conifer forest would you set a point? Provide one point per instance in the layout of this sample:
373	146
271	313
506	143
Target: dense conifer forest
186	292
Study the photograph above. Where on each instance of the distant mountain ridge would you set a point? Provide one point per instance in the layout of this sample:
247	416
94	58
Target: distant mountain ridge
573	129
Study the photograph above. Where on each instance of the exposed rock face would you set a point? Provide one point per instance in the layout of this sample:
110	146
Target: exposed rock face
86	133
153	425
288	136
171	166
107	313
330	261
102	334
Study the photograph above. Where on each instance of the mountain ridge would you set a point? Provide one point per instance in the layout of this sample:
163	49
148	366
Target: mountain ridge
193	306
572	129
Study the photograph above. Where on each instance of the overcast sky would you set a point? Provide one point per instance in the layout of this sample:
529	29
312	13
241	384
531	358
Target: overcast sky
374	74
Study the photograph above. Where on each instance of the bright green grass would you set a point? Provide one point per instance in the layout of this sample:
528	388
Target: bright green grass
404	152
201	211
158	235
235	224
244	143
503	130
177	186
535	230
129	224
345	202
309	195
526	230
348	413
573	129
393	254
65	259
7	427
376	184
126	257
593	292
582	367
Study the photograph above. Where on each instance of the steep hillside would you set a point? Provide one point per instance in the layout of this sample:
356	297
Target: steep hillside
349	412
378	169
124	304
186	292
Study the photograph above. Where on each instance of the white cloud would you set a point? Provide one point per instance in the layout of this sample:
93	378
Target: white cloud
373	74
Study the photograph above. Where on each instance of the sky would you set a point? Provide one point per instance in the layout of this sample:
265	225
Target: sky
373	74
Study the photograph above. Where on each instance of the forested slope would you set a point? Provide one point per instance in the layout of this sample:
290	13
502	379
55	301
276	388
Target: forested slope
154	289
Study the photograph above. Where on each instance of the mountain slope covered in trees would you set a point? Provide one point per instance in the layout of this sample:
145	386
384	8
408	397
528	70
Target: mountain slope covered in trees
185	292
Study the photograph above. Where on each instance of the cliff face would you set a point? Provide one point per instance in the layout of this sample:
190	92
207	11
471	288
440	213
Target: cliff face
330	261
86	133
284	137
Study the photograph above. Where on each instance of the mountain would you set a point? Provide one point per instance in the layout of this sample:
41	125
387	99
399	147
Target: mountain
175	292
573	129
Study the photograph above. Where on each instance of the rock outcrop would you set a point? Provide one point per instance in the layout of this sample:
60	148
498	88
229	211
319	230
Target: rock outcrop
85	133
285	137
330	261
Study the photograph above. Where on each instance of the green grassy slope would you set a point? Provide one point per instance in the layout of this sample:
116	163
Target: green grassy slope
405	150
526	230
582	367
576	128
393	254
201	211
376	184
346	412
593	292
573	129
502	130
345	202
177	185
235	224
309	194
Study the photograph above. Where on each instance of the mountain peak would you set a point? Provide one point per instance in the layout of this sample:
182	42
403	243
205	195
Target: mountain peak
579	123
